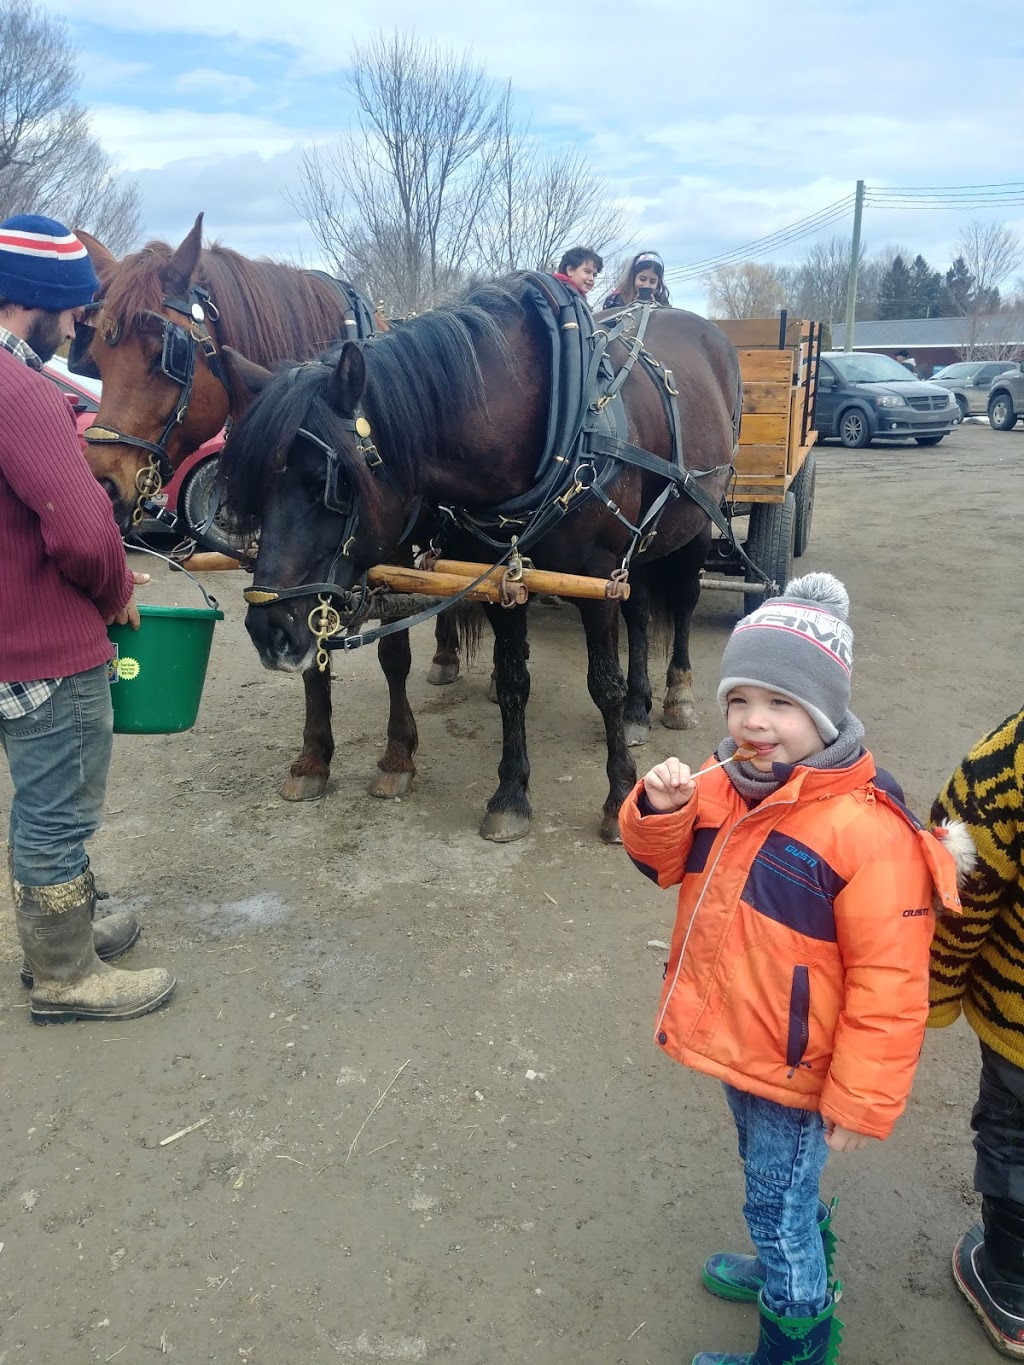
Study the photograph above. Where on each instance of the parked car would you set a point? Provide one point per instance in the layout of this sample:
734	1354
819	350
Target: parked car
862	395
1006	400
192	475
970	381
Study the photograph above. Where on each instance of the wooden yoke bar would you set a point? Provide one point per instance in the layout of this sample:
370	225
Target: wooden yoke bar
434	584
543	581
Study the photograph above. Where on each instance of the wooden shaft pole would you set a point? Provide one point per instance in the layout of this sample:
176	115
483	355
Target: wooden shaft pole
543	580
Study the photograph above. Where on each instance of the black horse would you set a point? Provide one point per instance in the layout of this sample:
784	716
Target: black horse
457	402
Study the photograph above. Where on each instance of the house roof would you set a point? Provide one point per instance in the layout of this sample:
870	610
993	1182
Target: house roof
921	333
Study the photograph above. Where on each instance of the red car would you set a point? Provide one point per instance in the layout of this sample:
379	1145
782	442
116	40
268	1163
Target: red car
194	472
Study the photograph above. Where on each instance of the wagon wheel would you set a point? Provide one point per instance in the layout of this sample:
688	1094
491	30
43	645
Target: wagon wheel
770	545
802	489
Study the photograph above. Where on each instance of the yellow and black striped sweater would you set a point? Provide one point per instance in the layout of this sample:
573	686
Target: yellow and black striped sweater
977	958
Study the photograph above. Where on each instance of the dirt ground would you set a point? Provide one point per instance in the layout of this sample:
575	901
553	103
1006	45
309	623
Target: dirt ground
435	1127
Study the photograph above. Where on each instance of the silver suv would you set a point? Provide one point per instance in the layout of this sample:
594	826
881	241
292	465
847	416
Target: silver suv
970	382
1006	401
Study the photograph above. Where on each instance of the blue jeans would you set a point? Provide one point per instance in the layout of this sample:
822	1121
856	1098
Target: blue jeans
59	757
783	1153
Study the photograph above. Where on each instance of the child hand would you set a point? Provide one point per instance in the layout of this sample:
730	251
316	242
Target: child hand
669	785
840	1139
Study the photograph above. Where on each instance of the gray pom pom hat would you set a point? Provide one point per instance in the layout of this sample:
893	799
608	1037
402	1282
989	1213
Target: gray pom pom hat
799	645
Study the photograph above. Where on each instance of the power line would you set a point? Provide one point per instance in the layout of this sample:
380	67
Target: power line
803	227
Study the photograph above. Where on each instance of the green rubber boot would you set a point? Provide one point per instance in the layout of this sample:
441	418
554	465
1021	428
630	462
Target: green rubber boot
740	1279
789	1341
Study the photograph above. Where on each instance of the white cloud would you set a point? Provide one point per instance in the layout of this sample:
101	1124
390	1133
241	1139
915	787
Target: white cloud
140	139
222	85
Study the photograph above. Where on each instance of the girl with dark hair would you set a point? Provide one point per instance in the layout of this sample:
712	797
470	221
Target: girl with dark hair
579	269
645	271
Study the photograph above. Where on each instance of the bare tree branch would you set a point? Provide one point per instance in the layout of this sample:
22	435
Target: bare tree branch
49	160
745	290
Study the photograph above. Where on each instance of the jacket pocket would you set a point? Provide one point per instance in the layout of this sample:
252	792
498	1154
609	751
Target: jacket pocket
799	1019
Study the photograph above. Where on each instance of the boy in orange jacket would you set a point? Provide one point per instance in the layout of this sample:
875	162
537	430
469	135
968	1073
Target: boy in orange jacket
798	972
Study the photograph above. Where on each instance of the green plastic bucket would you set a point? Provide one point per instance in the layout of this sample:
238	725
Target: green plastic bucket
157	672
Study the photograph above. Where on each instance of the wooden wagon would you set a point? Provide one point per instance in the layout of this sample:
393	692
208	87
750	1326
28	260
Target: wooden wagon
775	466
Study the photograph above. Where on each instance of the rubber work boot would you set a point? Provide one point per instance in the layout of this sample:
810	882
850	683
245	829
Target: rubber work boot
789	1341
731	1275
988	1267
70	981
112	935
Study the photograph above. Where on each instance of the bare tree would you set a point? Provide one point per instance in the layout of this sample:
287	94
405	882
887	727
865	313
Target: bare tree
438	183
745	290
821	277
539	204
992	252
411	186
49	160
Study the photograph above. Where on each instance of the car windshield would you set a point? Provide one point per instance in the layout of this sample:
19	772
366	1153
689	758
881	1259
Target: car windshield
79	381
955	372
858	368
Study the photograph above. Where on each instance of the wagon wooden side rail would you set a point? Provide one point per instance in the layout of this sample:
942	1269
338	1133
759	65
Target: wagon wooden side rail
775	466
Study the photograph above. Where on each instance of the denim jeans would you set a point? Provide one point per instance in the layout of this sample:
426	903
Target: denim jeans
783	1153
59	757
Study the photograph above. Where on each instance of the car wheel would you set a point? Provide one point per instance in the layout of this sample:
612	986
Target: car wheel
1001	415
929	440
854	431
770	545
964	410
195	499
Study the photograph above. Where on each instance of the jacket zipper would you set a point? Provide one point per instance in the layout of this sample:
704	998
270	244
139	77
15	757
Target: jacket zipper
799	1020
700	900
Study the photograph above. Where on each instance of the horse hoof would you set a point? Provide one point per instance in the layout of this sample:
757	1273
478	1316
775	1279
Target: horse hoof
492	691
440	675
679	718
504	826
389	785
307	787
636	734
610	829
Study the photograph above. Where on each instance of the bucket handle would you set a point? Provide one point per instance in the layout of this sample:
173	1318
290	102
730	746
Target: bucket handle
211	601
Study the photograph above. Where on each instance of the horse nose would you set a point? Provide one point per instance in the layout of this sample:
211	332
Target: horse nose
122	514
272	634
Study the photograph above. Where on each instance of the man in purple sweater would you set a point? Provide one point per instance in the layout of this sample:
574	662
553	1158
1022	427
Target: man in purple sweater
63	579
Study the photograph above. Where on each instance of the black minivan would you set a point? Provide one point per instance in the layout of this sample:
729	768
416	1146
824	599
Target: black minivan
862	395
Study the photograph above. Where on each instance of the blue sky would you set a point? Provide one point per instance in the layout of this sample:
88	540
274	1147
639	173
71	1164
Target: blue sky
714	124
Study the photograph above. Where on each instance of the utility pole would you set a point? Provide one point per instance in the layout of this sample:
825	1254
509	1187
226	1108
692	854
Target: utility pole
851	287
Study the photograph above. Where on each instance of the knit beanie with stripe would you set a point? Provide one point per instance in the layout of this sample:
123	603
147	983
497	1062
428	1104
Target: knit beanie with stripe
798	644
43	265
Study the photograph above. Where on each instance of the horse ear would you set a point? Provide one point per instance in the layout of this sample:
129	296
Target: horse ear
104	262
348	380
176	275
245	378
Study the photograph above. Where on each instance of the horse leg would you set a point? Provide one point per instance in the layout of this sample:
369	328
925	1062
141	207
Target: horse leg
684	576
444	667
636	612
307	777
395	768
492	686
608	688
508	811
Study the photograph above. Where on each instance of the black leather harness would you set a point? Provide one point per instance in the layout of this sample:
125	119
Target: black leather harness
584	451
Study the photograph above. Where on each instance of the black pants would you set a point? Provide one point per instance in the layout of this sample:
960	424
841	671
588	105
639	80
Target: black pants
998	1123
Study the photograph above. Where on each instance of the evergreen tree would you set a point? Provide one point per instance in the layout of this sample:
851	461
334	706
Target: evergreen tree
894	291
957	291
925	287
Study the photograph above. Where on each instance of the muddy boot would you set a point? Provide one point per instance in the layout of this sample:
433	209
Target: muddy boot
112	935
789	1341
70	982
731	1275
988	1267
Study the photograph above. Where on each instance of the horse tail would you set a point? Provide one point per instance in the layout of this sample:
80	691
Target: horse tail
469	622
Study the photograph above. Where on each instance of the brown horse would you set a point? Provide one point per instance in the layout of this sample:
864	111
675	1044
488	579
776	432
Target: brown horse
149	419
457	402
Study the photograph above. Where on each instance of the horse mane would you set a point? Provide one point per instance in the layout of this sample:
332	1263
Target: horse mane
267	311
423	381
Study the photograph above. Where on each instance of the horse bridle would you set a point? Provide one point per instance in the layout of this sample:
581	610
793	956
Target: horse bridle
179	352
326	619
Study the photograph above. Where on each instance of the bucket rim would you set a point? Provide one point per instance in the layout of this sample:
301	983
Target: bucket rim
178	613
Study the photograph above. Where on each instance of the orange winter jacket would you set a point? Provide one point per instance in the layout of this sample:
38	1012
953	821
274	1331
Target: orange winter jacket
799	962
